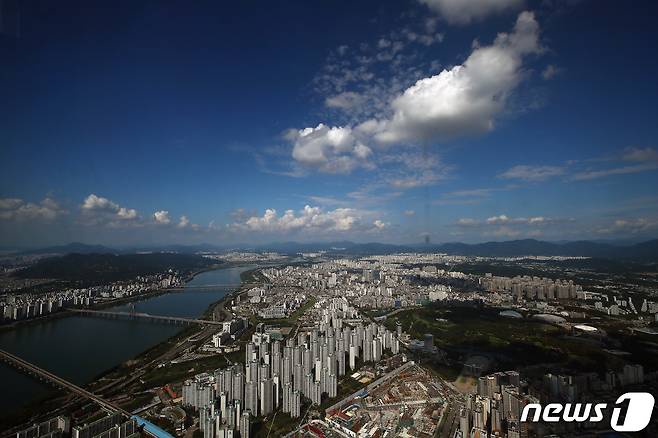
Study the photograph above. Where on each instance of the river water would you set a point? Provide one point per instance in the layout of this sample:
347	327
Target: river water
80	348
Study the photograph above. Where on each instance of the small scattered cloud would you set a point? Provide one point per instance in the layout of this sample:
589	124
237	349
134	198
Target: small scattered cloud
629	161
20	210
345	100
311	220
532	173
467	222
504	219
640	155
638	160
97	210
503	232
422	179
409	213
127	213
162	217
470	196
503	225
408	168
550	72
462	12
630	226
183	222
98	203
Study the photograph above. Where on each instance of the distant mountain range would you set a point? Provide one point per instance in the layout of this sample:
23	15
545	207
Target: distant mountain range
72	248
645	251
513	248
99	268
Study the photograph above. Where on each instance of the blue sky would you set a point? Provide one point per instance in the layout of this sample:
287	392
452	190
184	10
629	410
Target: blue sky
138	122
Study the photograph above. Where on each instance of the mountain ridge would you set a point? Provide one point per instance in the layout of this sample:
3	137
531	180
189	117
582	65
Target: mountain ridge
647	250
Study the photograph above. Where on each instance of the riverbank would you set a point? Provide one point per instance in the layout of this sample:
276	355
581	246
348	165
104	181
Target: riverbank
123	377
119	301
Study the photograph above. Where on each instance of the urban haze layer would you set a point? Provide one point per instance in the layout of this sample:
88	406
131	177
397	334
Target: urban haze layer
328	218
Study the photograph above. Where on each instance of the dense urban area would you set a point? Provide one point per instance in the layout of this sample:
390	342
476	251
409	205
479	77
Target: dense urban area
403	344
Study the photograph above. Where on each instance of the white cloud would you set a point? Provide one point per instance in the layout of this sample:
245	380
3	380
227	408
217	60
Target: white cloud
408	168
471	196
19	210
183	222
466	11
465	99
363	84
409	213
504	232
498	219
98	203
127	213
624	170
421	180
550	72
379	225
162	217
532	173
329	149
504	219
310	219
630	226
467	222
10	203
639	160
98	210
475	193
630	161
345	100
503	225
640	154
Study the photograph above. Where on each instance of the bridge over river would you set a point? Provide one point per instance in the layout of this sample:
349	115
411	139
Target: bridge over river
29	368
40	373
221	285
144	316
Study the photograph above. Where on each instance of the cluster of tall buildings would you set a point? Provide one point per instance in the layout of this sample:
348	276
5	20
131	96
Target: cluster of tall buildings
280	375
55	427
368	285
532	288
16	307
496	408
109	426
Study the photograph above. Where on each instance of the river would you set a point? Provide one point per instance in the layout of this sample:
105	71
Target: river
81	348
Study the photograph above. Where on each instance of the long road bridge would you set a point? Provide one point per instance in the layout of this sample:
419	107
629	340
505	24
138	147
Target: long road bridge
29	368
145	316
221	285
34	370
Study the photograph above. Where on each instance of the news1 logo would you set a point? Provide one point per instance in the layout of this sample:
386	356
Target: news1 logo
637	412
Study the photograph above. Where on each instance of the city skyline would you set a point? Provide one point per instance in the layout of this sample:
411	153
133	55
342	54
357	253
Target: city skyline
337	121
